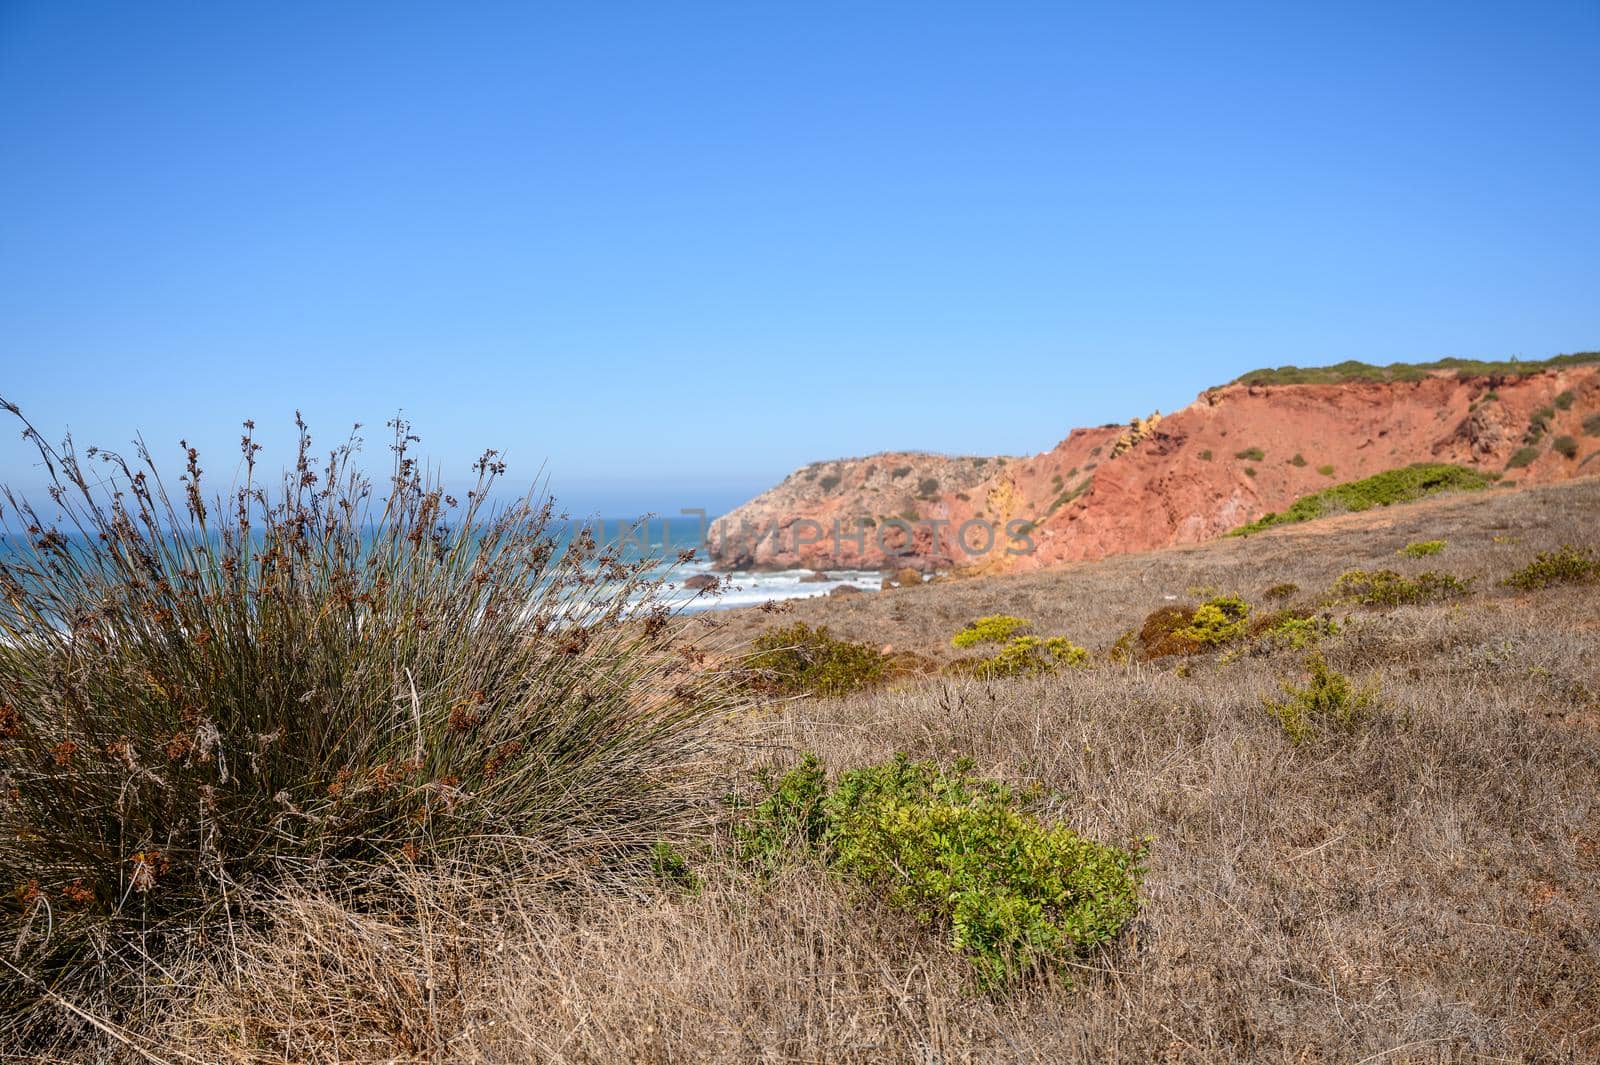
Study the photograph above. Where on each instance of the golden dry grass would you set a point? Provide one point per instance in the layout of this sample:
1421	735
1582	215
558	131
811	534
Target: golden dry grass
1426	889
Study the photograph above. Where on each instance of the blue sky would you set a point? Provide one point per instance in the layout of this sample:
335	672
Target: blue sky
674	251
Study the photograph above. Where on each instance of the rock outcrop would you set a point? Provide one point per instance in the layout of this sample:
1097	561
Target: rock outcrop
850	513
1234	454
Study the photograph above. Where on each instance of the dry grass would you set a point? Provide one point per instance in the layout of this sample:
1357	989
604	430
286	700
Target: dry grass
1422	889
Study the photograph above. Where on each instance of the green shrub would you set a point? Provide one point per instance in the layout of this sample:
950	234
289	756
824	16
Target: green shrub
1402	485
314	680
829	483
1217	621
1326	471
899	472
1422	548
1568	565
1328	702
800	660
1286	590
1591	425
1253	454
1187	630
1564	400
1566	445
1122	650
1350	370
1162	632
789	819
668	864
962	855
1538	425
1249	471
1298	629
928	488
1298	460
1026	656
1524	456
1385	587
1070	494
1205	456
994	628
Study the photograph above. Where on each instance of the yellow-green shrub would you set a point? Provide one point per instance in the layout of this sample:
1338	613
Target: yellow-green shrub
801	660
1328	702
994	628
1385	587
1569	565
961	854
1217	621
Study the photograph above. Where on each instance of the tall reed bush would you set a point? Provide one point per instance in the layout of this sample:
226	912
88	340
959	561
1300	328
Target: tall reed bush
307	677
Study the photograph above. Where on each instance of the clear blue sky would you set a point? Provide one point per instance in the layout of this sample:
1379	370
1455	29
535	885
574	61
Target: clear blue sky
677	250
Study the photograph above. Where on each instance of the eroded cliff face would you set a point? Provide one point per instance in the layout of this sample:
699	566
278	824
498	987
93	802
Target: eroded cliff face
1233	455
832	515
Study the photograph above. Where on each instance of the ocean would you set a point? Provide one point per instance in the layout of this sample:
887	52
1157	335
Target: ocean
659	540
663	538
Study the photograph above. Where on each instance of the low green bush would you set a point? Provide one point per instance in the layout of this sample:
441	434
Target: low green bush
1523	456
1026	656
1187	630
1565	446
801	660
1326	471
1161	633
1297	629
1403	485
1286	590
1252	454
1385	587
1328	702
669	865
1591	425
1568	565
962	855
1538	425
1218	620
1298	460
1205	456
994	628
1422	548
788	819
1351	370
1564	400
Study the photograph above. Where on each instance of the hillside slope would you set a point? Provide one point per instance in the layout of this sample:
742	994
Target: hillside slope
1239	451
